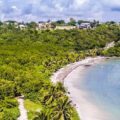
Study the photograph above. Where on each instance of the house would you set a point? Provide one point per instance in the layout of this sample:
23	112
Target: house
41	25
22	26
84	26
11	22
44	25
14	23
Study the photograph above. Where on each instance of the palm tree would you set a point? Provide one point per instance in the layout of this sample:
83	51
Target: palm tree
60	87
54	93
63	110
43	115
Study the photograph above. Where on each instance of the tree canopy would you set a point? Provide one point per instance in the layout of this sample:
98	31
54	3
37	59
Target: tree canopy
28	58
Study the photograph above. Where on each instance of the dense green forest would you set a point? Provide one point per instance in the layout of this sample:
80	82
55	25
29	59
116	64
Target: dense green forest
28	58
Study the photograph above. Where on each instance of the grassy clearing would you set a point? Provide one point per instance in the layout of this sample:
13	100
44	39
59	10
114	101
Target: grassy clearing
32	108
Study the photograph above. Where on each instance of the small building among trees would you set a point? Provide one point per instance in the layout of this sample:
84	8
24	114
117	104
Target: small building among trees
84	26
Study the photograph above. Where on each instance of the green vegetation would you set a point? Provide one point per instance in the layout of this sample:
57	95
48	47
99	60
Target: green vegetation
75	115
28	58
9	109
32	108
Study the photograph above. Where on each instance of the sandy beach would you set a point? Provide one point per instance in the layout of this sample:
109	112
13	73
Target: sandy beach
68	76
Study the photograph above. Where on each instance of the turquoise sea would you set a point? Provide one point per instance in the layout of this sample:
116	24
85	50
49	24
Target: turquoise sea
102	83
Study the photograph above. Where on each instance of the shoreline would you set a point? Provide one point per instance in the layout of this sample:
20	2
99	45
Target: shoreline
62	73
68	76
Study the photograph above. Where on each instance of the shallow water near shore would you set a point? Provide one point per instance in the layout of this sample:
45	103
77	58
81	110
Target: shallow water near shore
101	82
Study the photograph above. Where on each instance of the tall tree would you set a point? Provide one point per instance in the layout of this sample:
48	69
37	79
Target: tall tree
72	22
32	25
63	110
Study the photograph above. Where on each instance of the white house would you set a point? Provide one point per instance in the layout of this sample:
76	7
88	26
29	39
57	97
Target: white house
84	26
22	26
44	25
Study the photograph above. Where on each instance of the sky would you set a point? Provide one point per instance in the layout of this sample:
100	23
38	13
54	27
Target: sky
39	10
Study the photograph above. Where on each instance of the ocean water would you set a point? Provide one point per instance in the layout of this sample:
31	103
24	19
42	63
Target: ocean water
102	84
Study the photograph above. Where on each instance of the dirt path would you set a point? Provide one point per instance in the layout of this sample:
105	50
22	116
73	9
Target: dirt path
23	111
112	44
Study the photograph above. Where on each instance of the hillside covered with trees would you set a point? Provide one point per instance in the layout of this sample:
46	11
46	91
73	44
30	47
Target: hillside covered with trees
28	58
